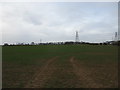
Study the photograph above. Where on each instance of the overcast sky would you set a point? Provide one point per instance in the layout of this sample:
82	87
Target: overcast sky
58	21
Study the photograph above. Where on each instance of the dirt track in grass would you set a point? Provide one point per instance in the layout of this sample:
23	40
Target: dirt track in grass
104	76
42	75
71	73
82	74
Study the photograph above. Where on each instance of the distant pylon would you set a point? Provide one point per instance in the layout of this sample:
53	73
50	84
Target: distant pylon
116	36
77	37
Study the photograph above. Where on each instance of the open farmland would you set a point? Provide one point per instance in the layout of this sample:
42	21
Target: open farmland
60	66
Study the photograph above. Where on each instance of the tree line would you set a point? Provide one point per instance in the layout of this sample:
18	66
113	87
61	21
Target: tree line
65	43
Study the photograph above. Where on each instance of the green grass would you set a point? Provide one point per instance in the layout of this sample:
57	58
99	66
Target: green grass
28	53
21	61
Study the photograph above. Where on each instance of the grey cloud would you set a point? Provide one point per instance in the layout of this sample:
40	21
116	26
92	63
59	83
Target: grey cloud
27	22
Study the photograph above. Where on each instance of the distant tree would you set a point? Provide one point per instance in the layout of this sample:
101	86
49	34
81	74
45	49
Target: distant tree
6	44
118	43
69	42
32	43
100	43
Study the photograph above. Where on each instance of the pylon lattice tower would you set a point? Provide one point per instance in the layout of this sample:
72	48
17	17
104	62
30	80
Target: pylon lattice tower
116	36
77	37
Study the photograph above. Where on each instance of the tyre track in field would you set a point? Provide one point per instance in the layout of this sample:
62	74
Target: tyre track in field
42	75
83	75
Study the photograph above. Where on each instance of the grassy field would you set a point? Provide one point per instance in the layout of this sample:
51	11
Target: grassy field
60	66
